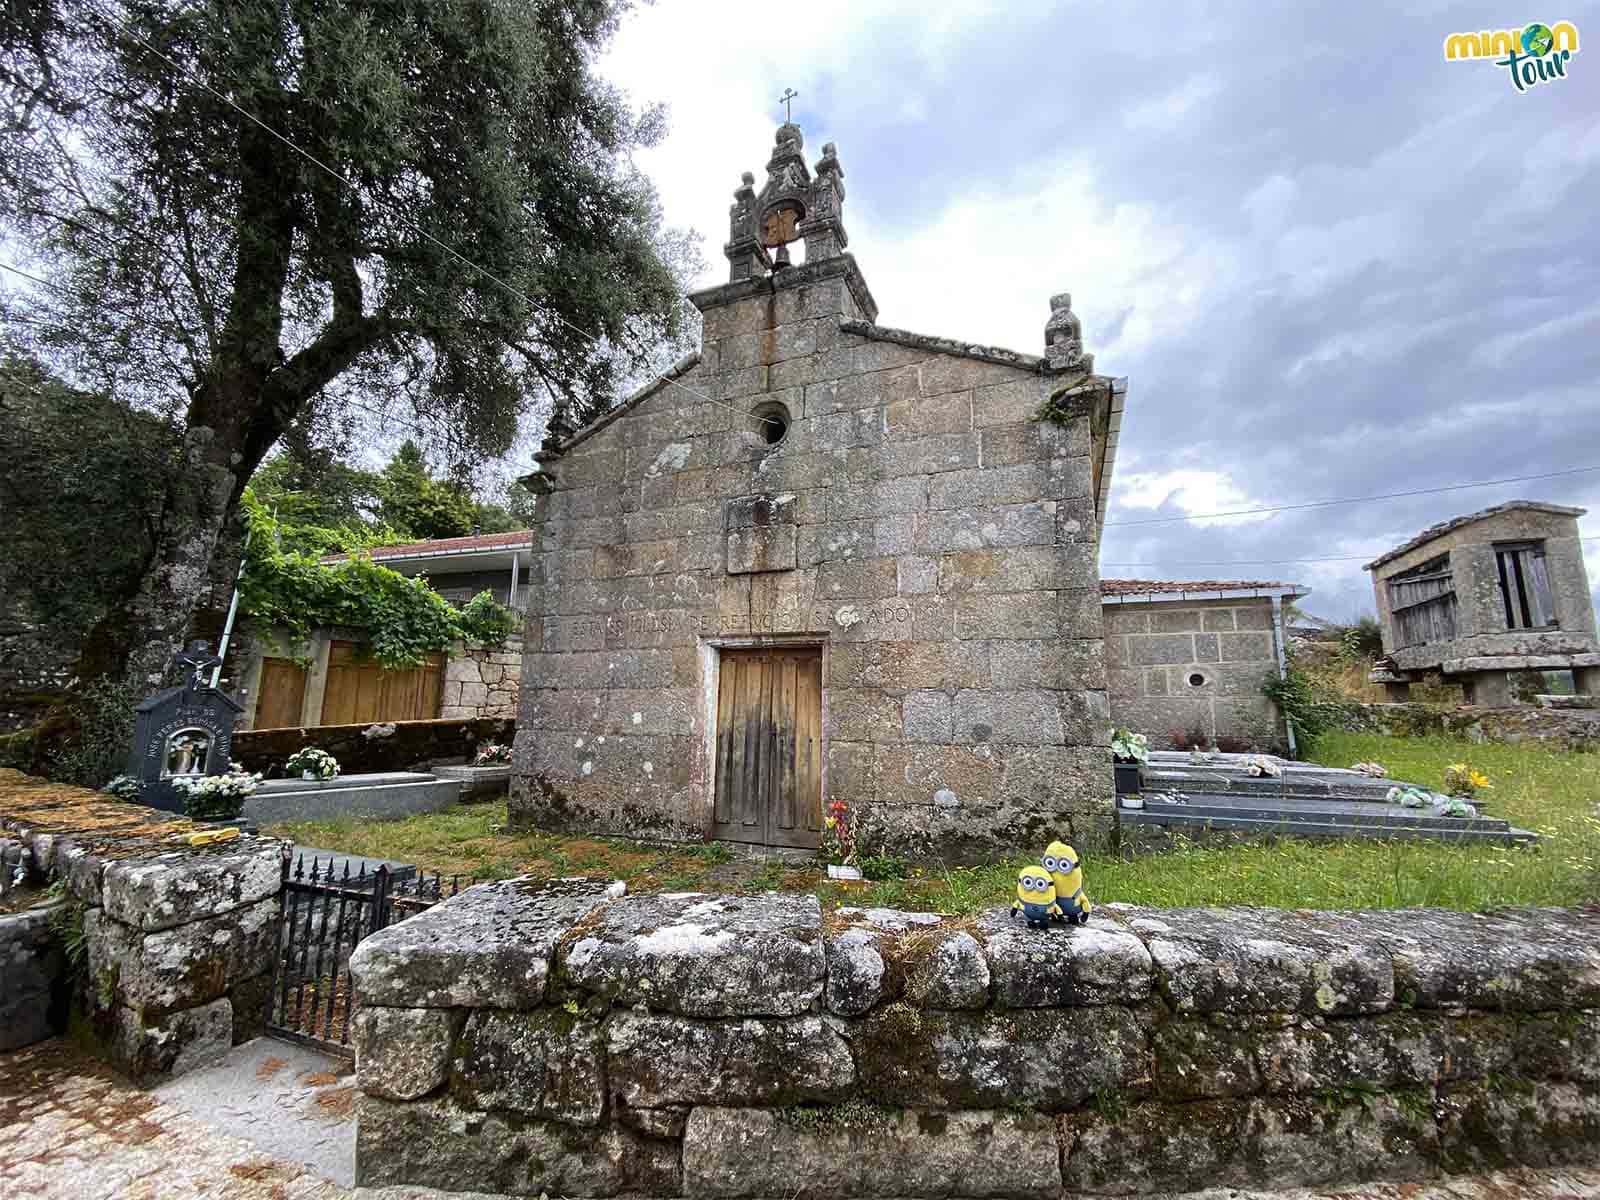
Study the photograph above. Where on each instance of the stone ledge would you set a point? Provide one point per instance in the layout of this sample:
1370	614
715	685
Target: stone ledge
490	946
704	956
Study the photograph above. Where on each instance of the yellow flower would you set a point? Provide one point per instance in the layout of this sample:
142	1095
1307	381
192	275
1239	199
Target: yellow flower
1478	779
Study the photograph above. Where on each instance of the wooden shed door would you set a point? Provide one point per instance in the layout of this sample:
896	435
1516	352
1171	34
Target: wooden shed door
359	691
769	748
280	694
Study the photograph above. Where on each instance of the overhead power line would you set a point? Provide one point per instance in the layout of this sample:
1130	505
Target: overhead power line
25	275
1273	508
400	216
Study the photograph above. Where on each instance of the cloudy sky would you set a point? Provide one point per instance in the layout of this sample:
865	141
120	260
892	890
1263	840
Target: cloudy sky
1330	263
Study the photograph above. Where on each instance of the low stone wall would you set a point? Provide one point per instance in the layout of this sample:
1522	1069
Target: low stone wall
482	681
371	749
178	939
1556	728
530	1038
32	978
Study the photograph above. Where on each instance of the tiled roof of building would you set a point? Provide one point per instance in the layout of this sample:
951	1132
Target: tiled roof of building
1142	587
1444	527
457	545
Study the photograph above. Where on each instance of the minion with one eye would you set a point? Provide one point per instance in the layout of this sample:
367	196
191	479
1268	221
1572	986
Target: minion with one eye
1036	898
1061	861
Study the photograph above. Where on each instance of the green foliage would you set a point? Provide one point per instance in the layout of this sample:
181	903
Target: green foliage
84	478
882	867
487	622
402	617
1363	641
410	499
66	922
103	712
1307	703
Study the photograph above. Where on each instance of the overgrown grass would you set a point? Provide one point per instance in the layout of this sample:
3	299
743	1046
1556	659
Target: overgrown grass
1553	793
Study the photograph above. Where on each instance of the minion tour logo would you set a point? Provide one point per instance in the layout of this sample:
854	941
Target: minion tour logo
1535	54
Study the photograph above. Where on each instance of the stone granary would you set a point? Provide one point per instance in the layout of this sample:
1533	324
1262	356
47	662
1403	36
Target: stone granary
824	560
1484	596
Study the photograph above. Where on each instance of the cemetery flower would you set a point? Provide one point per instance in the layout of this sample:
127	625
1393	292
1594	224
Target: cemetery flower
490	754
309	760
839	834
1127	746
1463	780
123	787
1410	796
1260	765
216	797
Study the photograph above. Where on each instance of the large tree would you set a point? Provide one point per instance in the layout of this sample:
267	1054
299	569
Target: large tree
202	267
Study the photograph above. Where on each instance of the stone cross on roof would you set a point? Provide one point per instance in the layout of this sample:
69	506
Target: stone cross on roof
788	95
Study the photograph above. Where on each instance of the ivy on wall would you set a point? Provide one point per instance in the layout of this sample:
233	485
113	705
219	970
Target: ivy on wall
401	617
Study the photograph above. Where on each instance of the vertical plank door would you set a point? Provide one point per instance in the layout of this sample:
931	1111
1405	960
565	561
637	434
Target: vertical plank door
768	784
279	694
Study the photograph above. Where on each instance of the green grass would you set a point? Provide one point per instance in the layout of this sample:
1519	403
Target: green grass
1553	793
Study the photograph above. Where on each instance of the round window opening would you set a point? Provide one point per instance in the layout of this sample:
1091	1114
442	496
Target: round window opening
772	420
1197	680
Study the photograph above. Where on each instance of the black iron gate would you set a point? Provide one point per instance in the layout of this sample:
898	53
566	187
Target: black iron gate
325	914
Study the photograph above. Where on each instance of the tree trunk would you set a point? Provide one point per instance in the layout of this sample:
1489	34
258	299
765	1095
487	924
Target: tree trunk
138	638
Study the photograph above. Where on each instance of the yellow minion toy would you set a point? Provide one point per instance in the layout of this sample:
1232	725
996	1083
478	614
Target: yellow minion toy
1036	898
1066	873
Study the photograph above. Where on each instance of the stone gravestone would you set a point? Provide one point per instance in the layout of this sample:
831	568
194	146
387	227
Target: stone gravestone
185	730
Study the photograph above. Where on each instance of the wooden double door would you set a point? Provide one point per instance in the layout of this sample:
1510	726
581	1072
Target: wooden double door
769	748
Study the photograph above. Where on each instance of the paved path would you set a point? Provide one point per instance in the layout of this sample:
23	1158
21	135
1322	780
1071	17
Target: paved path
72	1130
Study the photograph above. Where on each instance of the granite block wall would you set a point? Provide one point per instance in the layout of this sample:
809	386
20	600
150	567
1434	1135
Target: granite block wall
1193	666
481	682
915	521
536	1038
178	940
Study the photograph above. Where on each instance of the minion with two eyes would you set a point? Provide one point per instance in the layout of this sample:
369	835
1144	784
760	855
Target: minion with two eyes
1036	898
1066	873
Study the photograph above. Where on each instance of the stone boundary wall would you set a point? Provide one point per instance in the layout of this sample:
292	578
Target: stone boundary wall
32	978
1177	667
482	681
1554	728
542	1038
367	749
178	939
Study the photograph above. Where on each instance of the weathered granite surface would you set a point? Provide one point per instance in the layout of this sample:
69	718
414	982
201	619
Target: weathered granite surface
894	1053
32	977
178	938
487	947
911	517
702	955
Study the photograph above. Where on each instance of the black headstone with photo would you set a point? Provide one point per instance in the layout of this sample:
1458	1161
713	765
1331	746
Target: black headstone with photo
185	730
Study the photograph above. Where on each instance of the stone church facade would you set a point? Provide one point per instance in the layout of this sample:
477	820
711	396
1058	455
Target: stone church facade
824	561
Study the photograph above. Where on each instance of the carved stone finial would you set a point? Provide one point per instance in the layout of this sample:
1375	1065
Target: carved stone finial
748	179
1063	336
